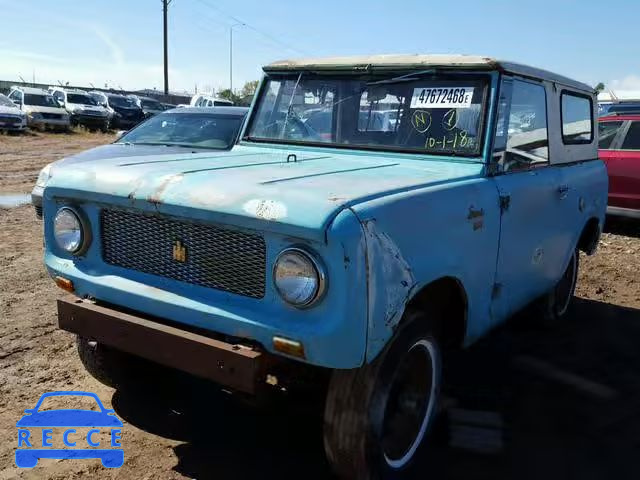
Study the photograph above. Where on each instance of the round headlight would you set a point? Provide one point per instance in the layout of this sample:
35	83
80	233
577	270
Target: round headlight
298	277
67	230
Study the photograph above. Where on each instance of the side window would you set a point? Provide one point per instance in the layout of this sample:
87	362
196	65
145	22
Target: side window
577	118
522	139
632	140
607	131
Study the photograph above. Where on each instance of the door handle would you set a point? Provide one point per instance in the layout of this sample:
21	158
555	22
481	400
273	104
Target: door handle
563	191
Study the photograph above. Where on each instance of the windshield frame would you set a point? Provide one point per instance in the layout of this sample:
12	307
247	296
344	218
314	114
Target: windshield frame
484	76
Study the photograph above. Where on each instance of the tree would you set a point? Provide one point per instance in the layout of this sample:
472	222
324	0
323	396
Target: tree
229	95
599	87
249	89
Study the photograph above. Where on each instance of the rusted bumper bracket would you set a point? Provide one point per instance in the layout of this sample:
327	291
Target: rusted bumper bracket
234	366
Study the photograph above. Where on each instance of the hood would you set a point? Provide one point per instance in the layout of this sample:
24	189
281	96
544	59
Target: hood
121	150
127	111
38	109
255	187
82	106
11	111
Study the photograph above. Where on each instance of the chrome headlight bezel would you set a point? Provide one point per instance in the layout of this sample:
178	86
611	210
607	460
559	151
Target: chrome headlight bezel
318	268
83	230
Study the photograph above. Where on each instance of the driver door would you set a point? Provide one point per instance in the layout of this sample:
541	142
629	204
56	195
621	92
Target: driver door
530	251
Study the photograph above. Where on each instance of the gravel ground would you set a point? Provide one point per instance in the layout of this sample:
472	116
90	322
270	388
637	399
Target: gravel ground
530	401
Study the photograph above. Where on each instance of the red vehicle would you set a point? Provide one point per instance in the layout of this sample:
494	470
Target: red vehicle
619	148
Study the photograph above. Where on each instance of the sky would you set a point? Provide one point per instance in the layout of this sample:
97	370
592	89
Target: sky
119	42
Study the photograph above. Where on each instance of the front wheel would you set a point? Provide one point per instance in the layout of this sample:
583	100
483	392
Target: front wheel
378	417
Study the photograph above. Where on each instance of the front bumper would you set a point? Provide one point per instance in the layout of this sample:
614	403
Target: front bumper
49	122
120	122
13	125
89	120
235	366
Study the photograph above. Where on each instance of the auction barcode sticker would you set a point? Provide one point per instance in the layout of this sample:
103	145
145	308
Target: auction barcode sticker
442	97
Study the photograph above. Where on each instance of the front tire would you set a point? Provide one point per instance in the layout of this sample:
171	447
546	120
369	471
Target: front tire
377	417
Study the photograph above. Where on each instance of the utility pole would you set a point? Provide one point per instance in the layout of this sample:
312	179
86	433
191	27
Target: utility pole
165	6
237	24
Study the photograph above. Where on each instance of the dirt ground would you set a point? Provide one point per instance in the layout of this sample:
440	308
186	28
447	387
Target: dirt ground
22	156
530	401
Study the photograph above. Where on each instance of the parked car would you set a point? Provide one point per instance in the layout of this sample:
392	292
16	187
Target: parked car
201	100
11	117
619	147
82	108
354	257
126	114
40	107
150	106
185	130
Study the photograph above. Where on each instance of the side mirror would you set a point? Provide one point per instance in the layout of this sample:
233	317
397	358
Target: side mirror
120	133
60	103
17	102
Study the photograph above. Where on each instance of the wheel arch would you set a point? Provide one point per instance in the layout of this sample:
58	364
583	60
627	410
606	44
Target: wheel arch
448	298
590	236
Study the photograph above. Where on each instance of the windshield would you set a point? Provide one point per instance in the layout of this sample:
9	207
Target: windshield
122	102
152	104
39	100
80	98
196	130
422	112
5	102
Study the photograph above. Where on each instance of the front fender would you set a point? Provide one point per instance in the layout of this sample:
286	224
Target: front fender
414	238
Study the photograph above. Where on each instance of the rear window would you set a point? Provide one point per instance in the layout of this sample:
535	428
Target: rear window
632	140
577	118
607	131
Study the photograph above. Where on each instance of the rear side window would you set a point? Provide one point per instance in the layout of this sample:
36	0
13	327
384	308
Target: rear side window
607	131
632	140
577	118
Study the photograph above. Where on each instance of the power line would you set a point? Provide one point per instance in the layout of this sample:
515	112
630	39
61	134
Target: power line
263	34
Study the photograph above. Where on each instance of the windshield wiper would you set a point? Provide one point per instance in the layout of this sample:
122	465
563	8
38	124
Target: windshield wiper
409	77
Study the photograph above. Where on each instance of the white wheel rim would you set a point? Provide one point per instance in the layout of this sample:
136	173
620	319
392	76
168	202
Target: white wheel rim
402	461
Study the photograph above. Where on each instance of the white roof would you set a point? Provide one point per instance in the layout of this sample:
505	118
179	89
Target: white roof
416	61
31	90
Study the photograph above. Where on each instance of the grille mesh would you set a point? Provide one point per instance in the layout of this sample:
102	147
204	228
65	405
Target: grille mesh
215	257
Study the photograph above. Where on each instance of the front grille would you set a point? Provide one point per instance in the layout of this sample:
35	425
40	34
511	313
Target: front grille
91	112
9	119
52	116
215	257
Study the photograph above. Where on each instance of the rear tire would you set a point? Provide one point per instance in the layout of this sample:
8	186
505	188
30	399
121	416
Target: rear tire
377	417
557	302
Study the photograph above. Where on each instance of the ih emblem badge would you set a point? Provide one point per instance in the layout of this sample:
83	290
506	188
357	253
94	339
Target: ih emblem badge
179	252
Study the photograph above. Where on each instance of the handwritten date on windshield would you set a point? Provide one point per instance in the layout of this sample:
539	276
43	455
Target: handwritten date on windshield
459	140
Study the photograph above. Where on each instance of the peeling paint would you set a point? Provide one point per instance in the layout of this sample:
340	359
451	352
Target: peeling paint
396	277
266	209
156	197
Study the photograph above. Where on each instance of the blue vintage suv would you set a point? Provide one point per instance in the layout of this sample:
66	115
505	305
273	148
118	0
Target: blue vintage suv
375	211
